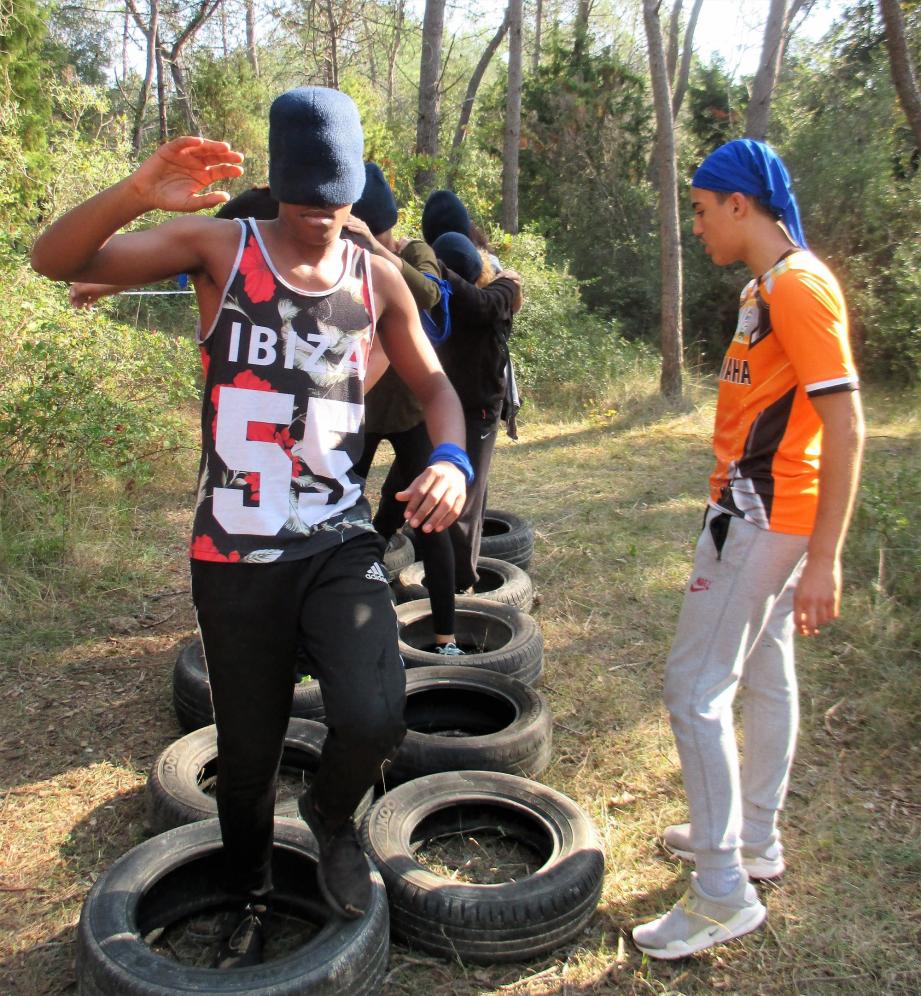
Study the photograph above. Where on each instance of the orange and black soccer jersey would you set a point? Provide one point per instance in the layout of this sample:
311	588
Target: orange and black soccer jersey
790	345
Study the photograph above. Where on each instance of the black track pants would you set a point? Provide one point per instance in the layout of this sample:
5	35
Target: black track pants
253	618
467	532
412	449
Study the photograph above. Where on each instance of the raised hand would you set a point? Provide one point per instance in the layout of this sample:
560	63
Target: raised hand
172	178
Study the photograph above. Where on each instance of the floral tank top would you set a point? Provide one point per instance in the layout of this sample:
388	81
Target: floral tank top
283	410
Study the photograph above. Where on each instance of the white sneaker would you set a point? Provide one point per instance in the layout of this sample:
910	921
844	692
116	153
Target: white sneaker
698	921
761	861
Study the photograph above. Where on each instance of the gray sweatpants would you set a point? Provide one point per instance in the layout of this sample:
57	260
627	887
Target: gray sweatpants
735	628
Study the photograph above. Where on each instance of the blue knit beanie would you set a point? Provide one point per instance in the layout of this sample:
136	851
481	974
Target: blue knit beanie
376	206
443	212
747	166
458	253
316	148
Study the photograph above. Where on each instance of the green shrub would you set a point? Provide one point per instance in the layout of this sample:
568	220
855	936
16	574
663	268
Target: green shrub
81	395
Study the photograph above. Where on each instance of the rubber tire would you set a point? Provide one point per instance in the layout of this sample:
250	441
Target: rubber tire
192	692
513	642
398	555
507	537
175	797
510	725
486	924
499	581
138	893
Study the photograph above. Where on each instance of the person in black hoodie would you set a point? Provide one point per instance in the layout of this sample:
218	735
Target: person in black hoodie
474	356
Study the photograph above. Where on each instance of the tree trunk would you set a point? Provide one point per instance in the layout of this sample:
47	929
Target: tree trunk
332	61
903	73
224	43
674	31
161	91
251	53
476	78
150	33
512	120
759	105
538	24
684	70
669	227
392	52
429	70
680	87
581	27
182	93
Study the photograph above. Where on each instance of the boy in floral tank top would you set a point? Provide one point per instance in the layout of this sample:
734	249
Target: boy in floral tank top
283	555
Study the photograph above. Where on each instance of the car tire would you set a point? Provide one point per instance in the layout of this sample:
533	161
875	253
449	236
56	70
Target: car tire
463	718
175	788
507	537
485	923
494	636
499	581
192	692
175	875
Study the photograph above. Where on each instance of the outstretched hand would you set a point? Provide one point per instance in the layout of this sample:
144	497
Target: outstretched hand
172	178
435	498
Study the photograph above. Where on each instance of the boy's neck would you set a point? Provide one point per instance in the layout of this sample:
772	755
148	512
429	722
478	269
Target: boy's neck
768	243
311	263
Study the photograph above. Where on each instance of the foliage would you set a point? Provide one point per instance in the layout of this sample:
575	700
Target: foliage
233	106
562	352
23	24
861	204
81	396
587	128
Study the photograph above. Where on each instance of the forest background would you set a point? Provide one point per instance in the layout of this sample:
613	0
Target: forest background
97	409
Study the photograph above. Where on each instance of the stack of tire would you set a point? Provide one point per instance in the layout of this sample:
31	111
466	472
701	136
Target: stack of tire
478	734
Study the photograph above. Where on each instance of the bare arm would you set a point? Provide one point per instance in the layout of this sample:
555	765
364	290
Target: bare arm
437	496
82	245
818	595
377	365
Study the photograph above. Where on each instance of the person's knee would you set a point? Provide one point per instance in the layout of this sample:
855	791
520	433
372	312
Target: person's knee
374	733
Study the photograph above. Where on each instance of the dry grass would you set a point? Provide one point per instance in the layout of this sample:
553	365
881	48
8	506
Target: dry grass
616	499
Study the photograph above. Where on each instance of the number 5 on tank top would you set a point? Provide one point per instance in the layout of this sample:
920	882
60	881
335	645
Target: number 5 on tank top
237	409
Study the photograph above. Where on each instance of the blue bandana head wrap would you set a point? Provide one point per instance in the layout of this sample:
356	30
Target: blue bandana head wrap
749	167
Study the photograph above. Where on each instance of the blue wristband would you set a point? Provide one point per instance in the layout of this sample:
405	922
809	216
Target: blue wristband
452	453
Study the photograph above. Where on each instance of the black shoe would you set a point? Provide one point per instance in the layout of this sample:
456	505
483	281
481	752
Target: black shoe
342	874
244	946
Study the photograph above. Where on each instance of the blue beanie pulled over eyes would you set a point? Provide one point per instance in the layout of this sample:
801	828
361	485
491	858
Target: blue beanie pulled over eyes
460	254
444	212
316	148
376	207
749	167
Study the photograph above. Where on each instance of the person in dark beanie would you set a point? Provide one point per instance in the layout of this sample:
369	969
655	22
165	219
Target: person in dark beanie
442	212
391	410
284	559
475	357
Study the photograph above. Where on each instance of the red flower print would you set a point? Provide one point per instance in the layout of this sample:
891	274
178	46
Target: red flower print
203	548
248	380
252	482
258	282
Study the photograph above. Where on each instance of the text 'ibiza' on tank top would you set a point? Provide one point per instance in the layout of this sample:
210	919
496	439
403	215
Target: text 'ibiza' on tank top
282	412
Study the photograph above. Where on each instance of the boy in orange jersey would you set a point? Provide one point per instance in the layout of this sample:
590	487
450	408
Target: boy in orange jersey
788	441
